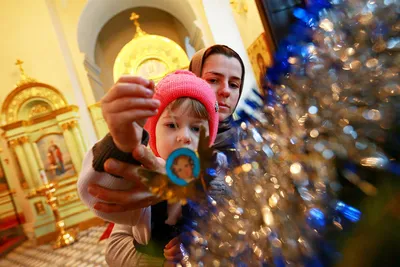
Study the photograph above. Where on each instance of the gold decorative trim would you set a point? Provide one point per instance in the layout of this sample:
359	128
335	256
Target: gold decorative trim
97	105
65	192
14	125
6	212
38	110
68	183
40	119
23	139
6	201
73	123
71	202
240	6
18	141
7	193
47	134
32	194
13	143
69	125
42	128
11	107
68	198
54	114
65	126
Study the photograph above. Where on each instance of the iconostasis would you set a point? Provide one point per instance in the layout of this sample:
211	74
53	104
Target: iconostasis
45	141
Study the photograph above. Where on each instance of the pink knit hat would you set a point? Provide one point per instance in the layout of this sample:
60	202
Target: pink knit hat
183	83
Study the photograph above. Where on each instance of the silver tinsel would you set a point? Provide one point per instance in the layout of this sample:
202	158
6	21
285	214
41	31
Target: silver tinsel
336	103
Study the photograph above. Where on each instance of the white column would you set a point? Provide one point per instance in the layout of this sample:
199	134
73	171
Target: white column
225	31
33	165
72	146
19	152
78	139
85	148
37	155
90	133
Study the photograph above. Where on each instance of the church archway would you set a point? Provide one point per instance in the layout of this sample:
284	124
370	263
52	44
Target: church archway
97	14
162	29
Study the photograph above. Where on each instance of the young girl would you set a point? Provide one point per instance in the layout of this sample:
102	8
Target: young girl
186	104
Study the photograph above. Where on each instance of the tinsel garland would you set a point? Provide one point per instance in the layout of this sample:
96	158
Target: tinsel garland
330	101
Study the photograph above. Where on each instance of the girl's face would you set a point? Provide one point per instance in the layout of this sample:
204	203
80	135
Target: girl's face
224	76
185	133
183	168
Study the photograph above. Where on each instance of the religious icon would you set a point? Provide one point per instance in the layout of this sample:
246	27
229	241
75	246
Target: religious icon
56	158
183	166
39	207
260	57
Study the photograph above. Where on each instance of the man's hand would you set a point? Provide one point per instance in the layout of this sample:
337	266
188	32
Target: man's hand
136	198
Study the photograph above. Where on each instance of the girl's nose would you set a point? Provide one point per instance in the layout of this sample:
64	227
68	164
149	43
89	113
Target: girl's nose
184	137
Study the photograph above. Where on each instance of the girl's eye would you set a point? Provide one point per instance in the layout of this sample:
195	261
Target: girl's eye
171	125
195	129
212	81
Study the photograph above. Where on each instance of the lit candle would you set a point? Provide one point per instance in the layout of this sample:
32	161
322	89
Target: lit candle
43	176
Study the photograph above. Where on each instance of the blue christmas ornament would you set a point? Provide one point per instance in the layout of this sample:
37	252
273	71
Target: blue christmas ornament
308	18
211	172
315	6
348	212
316	219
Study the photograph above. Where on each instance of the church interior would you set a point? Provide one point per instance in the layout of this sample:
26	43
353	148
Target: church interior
59	58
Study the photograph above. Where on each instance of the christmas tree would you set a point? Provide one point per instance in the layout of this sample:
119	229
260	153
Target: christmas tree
323	146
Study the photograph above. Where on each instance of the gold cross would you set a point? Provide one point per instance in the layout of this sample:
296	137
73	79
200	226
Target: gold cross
139	32
19	63
134	16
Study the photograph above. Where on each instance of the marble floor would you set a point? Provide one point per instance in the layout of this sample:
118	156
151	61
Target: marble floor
87	252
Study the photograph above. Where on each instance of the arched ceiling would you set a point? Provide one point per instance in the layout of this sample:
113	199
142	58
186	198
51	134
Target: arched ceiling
96	14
